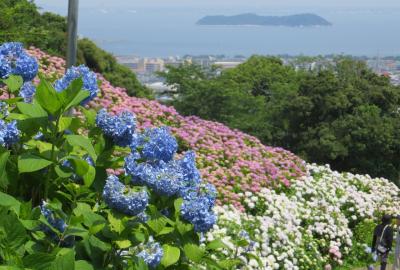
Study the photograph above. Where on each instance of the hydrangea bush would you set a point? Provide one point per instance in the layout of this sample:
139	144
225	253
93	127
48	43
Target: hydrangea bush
313	225
62	204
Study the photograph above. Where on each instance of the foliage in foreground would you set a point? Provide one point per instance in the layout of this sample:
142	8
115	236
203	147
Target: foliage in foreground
20	20
64	207
344	115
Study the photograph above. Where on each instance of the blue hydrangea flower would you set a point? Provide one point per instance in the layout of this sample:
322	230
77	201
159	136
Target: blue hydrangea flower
26	67
124	199
197	212
157	144
5	67
191	175
57	223
163	178
204	191
3	109
27	91
14	60
11	49
119	128
9	133
151	253
88	77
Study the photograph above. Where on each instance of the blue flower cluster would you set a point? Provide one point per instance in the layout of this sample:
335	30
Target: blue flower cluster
27	91
197	207
9	133
151	253
119	128
152	164
88	77
14	60
124	199
157	144
56	223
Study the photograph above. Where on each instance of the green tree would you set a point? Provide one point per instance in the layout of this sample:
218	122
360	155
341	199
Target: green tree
20	20
342	114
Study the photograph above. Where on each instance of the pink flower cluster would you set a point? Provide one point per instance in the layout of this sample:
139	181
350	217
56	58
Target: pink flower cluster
233	161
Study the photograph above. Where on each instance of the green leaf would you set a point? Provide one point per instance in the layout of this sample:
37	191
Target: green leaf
82	95
67	95
47	97
64	123
171	255
10	202
83	142
230	263
13	83
39	261
193	252
31	163
215	244
177	205
183	228
13	232
116	223
123	243
166	230
3	162
83	265
32	109
89	177
65	260
157	224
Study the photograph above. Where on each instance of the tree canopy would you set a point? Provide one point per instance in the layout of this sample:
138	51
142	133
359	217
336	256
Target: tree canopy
344	114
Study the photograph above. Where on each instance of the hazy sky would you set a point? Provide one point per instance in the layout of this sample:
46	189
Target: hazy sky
221	3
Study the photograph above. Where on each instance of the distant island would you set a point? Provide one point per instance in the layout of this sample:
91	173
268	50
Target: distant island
297	20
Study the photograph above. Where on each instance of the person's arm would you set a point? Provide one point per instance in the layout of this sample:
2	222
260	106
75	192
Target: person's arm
390	238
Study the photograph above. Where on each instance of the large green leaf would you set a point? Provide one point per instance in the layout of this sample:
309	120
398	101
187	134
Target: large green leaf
89	177
32	109
83	265
32	163
10	202
193	252
67	95
47	97
14	83
39	261
116	223
83	142
157	224
171	255
65	260
12	232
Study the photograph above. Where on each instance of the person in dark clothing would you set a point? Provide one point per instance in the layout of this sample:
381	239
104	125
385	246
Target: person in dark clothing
382	240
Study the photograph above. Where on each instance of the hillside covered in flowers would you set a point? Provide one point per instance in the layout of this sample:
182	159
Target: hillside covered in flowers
274	210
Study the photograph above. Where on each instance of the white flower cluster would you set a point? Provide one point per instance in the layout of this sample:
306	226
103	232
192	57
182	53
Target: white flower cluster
309	225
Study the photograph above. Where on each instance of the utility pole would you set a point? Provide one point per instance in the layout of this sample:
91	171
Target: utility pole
72	32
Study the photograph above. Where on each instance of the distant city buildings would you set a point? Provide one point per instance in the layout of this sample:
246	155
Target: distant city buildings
146	68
